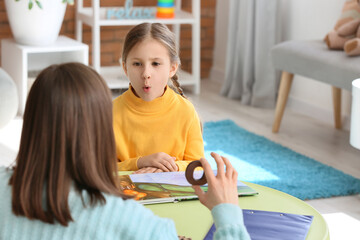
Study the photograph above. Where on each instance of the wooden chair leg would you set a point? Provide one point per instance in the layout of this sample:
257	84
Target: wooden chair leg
336	93
284	89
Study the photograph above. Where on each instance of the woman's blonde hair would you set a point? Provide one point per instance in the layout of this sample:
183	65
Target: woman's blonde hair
67	140
159	32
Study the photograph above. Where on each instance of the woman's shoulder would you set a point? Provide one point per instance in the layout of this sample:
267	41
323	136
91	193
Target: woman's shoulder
118	202
5	188
130	206
5	173
114	208
137	217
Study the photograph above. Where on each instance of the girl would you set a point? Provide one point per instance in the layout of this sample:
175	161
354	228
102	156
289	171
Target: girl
63	185
156	129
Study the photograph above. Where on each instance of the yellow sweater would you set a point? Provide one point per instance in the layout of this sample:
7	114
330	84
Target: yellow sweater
167	124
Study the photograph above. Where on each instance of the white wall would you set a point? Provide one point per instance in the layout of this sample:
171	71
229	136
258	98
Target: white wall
217	72
301	19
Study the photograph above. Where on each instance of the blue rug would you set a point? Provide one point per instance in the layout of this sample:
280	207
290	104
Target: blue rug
262	161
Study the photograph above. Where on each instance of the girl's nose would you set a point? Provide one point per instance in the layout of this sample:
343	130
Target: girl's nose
146	74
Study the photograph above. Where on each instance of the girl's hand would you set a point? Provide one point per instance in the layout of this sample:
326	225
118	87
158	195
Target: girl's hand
222	188
159	160
148	170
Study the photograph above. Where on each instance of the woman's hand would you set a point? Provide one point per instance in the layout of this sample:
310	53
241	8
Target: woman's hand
222	188
159	160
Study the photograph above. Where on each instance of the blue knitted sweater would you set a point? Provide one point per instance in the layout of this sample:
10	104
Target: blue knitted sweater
117	219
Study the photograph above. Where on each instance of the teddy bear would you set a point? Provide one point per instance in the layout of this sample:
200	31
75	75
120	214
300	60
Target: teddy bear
346	33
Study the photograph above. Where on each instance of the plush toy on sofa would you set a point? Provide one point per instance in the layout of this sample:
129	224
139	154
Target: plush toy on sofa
346	33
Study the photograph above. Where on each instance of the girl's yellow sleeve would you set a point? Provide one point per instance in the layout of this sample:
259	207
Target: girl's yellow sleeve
194	145
128	165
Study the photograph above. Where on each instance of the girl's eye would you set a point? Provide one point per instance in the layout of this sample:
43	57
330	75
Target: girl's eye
137	64
156	63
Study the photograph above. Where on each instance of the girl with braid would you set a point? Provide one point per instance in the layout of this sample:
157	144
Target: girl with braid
156	128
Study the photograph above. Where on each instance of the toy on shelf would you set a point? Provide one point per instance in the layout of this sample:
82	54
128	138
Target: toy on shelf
165	9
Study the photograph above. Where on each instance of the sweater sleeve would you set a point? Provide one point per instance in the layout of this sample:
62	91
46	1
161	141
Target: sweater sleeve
128	165
165	230
229	222
182	164
194	149
139	222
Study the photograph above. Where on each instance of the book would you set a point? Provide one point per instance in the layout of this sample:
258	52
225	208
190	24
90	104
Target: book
262	225
150	188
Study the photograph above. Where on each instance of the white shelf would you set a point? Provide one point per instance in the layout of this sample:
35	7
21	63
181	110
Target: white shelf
85	14
116	78
62	44
95	17
23	62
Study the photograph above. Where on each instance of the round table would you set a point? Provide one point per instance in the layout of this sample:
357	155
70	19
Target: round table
194	220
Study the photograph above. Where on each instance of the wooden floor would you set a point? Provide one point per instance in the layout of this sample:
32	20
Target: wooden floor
300	133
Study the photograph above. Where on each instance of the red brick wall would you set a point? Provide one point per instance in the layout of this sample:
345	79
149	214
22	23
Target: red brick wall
112	37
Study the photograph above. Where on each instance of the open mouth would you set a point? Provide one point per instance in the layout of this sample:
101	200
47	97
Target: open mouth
146	89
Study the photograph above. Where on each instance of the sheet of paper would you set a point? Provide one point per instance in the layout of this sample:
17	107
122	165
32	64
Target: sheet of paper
175	178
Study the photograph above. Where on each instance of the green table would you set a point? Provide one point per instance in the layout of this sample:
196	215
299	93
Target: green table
194	220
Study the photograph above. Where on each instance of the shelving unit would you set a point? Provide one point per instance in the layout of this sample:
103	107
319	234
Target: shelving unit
23	63
95	17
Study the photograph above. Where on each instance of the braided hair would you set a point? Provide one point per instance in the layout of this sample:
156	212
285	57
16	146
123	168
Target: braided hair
176	84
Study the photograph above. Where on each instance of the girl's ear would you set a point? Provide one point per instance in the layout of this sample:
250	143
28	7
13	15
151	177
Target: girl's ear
173	69
124	67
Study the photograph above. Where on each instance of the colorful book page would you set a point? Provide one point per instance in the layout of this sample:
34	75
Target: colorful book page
150	188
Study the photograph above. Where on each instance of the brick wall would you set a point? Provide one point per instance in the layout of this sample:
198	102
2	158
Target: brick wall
112	37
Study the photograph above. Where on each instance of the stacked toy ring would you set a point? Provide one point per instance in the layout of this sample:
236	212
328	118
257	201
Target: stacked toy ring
189	173
165	9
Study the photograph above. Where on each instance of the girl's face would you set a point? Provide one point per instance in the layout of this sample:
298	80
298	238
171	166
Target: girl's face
148	68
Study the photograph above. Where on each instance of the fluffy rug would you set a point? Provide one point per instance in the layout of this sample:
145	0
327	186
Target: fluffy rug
262	161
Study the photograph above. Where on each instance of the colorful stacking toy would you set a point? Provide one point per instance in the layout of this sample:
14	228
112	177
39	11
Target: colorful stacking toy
165	9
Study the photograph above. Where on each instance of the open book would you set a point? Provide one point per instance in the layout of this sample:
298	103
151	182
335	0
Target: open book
162	187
